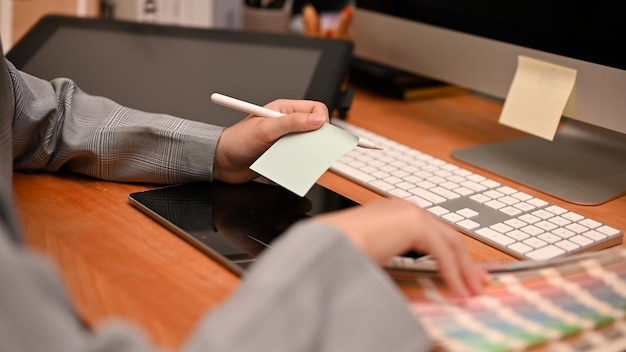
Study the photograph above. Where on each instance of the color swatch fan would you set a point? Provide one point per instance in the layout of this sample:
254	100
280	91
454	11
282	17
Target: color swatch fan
574	304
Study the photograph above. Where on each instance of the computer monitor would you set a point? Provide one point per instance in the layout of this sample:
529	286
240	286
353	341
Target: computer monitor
476	45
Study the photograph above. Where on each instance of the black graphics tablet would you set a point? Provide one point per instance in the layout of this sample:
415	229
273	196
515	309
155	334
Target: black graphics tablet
233	223
173	70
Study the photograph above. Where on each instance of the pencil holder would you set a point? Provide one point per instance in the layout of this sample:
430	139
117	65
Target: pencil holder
275	20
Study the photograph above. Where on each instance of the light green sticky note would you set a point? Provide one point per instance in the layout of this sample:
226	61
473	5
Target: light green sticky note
296	161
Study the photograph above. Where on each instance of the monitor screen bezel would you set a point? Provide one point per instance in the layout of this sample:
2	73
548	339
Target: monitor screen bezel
545	26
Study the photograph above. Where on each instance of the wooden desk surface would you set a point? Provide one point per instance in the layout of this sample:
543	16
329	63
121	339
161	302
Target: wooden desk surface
118	262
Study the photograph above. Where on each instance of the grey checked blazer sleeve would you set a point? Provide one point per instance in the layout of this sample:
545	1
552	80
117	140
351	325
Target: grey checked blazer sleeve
313	291
58	125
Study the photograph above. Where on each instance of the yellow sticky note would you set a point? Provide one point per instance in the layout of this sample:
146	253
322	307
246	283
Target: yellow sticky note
537	97
296	161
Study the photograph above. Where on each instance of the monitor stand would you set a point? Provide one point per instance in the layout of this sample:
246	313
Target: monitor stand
584	164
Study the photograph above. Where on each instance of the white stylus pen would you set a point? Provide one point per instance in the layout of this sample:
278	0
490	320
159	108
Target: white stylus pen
253	109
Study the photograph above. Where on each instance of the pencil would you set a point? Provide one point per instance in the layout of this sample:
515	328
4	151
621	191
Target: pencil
311	21
345	21
257	110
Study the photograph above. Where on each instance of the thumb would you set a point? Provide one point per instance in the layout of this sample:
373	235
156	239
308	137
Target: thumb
297	122
314	121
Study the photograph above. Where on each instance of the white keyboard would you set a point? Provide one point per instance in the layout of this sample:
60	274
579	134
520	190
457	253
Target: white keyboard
514	222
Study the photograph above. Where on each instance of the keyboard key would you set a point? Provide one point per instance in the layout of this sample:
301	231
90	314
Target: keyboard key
563	232
352	172
467	212
501	227
473	186
529	218
577	228
537	202
573	216
543	214
494	194
490	183
535	242
523	206
510	211
556	210
400	193
594	235
520	247
381	186
581	240
452	217
480	198
468	224
392	180
515	223
521	196
495	204
508	200
592	224
429	196
518	235
495	236
547	252
559	221
463	191
444	193
546	225
439	211
506	190
550	238
567	245
609	231
532	230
